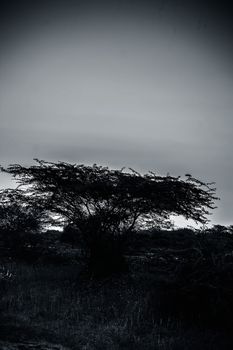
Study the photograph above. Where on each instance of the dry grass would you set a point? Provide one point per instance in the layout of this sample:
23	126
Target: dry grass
56	304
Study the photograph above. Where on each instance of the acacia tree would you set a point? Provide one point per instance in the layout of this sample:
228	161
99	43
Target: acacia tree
109	203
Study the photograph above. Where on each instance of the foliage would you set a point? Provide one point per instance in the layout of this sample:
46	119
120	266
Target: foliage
102	205
71	235
19	223
115	199
193	275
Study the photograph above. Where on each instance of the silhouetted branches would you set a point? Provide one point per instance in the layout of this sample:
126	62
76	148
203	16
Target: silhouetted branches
103	204
78	191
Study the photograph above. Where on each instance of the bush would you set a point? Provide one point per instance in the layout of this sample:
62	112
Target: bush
71	235
197	290
105	256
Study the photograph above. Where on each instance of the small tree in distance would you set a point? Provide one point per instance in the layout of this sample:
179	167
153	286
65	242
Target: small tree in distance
104	204
18	221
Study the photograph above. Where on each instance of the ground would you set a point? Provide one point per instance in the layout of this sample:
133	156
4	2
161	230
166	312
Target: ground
56	306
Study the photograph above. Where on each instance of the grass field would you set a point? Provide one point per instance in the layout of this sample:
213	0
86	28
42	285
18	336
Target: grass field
60	305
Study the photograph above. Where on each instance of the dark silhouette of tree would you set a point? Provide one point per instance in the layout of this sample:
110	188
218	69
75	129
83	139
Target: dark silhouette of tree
18	222
104	204
70	234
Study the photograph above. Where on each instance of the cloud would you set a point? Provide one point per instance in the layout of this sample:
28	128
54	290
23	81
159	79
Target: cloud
120	84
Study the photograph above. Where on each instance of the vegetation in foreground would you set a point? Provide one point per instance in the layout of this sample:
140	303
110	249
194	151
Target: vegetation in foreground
177	294
104	283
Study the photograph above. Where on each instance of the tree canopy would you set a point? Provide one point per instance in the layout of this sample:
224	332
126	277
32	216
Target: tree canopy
111	200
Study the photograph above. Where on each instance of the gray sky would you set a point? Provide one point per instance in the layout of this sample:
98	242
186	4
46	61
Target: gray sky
148	87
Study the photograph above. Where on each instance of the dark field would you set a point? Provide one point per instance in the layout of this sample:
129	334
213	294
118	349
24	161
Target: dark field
176	295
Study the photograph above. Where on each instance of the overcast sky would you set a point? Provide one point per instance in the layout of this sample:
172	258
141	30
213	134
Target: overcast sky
147	85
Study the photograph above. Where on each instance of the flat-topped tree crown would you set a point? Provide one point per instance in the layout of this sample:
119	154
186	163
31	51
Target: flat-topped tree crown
114	200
